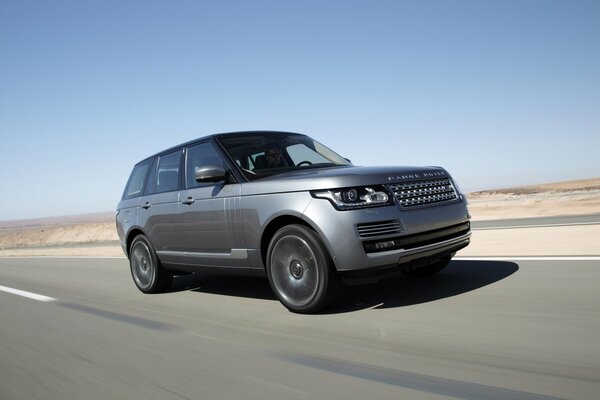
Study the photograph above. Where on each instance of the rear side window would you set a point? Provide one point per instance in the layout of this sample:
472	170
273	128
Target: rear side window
136	180
167	172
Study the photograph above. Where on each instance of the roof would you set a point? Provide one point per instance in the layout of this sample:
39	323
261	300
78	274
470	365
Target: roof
214	135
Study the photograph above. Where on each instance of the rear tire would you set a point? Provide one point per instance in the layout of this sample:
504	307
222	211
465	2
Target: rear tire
148	274
429	269
300	270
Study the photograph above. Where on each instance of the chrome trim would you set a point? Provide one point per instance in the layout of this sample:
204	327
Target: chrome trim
380	228
424	192
236	254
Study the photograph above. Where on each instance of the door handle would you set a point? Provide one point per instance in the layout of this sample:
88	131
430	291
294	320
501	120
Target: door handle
146	205
188	201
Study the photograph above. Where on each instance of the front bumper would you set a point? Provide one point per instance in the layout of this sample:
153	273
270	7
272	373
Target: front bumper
339	231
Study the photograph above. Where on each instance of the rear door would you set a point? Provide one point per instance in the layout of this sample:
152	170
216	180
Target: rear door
159	207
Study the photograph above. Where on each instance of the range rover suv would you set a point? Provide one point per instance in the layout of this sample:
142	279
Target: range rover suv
284	204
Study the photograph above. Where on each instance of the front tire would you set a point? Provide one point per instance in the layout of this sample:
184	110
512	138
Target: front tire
300	270
148	274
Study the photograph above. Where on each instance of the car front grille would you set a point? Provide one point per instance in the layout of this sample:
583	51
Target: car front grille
372	229
424	192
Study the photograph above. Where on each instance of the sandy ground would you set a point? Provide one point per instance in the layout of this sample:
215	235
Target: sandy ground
564	198
547	241
95	234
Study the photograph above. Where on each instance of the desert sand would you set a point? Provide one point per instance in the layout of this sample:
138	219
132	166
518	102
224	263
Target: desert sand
95	234
579	197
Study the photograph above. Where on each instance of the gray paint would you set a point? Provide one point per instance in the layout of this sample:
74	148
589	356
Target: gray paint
222	224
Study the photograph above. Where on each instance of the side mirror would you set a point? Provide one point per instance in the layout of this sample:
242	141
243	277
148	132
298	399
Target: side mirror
210	173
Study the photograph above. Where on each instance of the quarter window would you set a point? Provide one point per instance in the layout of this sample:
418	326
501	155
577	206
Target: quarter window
136	180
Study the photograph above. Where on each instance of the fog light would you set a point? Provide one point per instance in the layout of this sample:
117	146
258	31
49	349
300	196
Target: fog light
384	245
379	246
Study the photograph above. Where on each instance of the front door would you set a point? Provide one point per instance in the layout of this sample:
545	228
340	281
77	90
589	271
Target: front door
210	220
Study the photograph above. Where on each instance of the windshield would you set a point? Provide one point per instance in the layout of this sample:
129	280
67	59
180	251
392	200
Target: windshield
260	154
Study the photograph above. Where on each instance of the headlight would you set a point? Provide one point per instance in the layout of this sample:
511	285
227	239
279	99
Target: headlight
356	197
460	193
455	184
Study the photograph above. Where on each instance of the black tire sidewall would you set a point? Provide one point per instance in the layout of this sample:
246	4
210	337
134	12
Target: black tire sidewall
153	287
324	265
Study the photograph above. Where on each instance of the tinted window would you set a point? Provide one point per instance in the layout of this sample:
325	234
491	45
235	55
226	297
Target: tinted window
199	156
251	152
167	172
136	180
150	187
300	152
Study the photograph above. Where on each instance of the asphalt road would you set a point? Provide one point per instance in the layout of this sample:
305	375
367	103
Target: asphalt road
481	329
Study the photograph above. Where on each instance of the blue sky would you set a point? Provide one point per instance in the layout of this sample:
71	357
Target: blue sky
500	93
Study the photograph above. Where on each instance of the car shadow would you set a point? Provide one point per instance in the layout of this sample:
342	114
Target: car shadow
460	276
224	283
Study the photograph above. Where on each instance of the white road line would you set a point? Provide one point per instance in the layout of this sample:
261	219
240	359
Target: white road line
29	295
533	226
561	258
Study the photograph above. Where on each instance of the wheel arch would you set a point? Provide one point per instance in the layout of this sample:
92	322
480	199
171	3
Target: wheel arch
272	227
132	234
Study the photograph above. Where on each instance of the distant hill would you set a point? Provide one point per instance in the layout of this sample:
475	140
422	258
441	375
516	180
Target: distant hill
549	199
64	220
583	185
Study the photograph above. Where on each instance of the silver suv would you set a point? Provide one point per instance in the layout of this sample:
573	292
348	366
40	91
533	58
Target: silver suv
284	204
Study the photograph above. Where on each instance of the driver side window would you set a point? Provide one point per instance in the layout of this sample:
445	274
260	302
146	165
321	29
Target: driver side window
199	156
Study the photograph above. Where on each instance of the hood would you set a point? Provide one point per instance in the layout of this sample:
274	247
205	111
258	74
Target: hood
339	177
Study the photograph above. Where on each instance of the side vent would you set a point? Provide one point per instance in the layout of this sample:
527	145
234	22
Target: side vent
380	228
